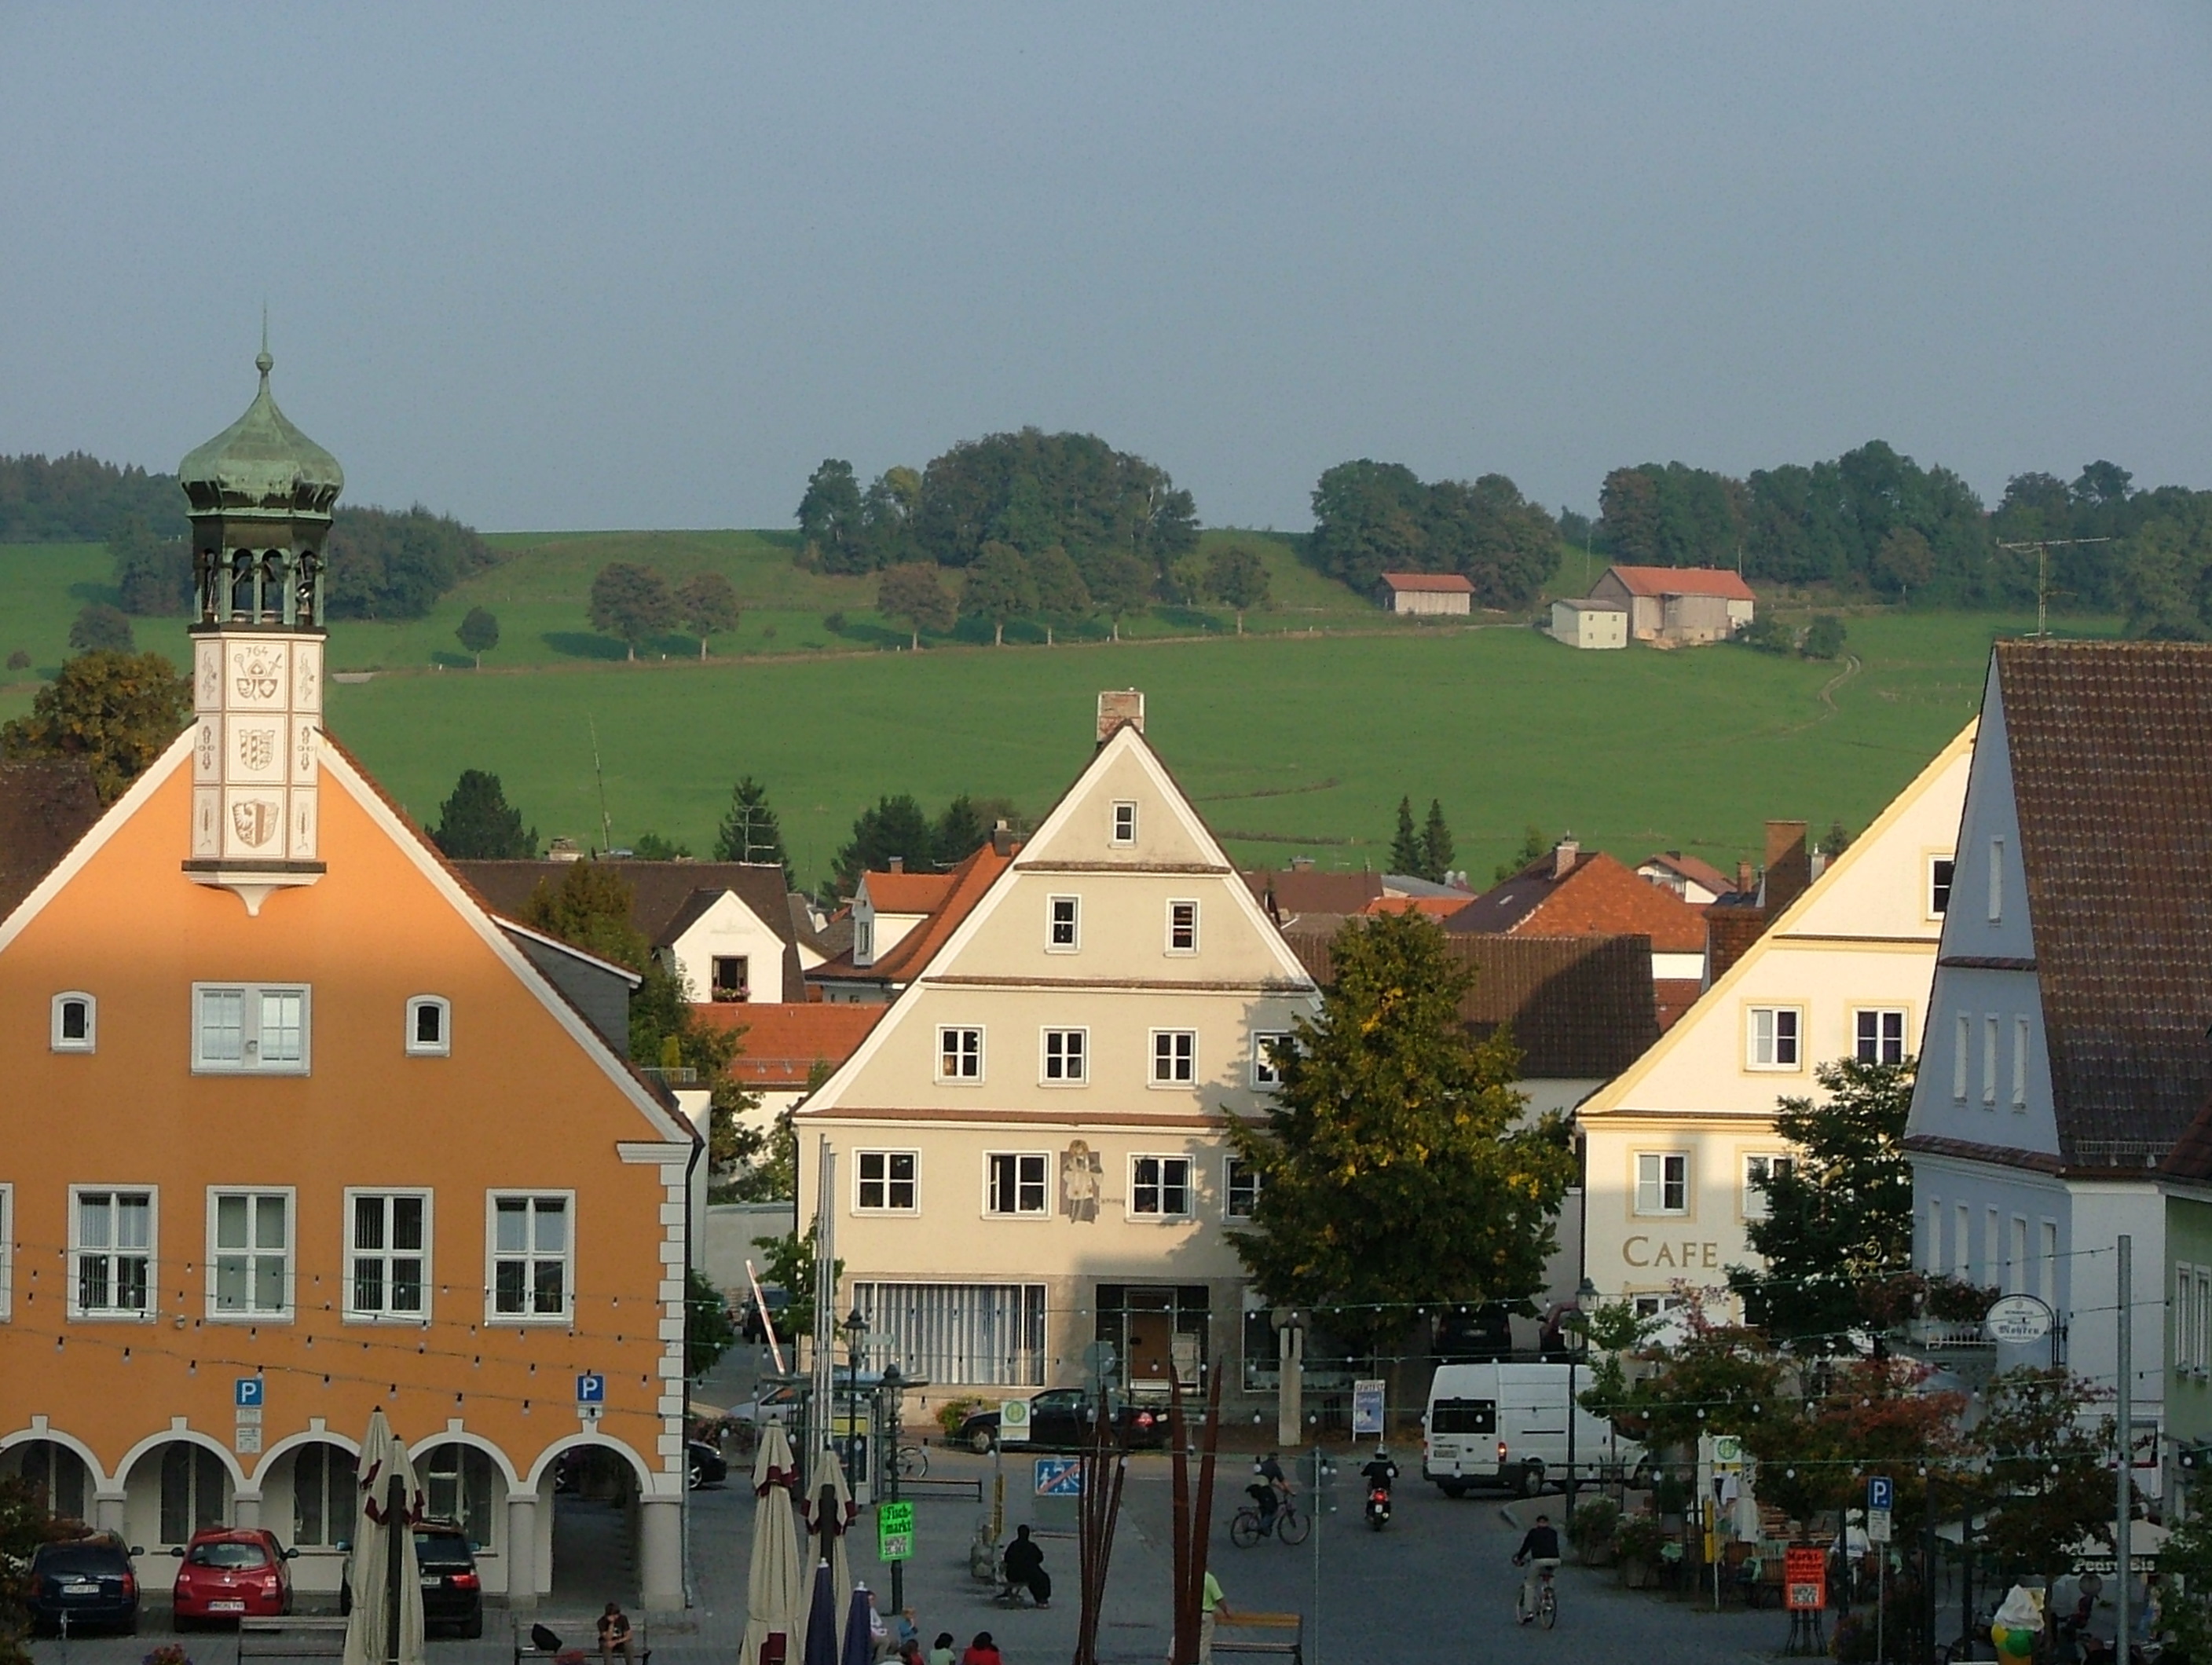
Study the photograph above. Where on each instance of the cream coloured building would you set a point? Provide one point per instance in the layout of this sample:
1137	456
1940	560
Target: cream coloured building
1673	1148
1029	1147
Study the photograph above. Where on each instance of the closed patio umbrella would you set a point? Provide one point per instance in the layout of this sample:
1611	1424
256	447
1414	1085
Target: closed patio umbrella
389	1503
775	1583
830	1512
859	1644
822	1620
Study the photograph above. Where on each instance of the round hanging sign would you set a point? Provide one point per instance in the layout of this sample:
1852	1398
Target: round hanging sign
2017	1321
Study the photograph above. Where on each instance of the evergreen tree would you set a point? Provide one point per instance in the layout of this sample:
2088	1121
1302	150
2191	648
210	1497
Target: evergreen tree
476	825
1395	1169
751	832
895	827
1407	856
960	831
116	711
1534	844
1436	845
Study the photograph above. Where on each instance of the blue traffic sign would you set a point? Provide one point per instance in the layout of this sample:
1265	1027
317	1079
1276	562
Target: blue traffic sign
590	1390
246	1392
1060	1477
1880	1492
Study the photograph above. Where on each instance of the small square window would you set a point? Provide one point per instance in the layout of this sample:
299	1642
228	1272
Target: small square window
886	1182
959	1055
1125	824
75	1023
1015	1182
1182	928
733	977
1880	1037
1063	929
1159	1187
1175	1057
1663	1182
429	1026
1774	1037
1940	869
1240	1189
1066	1056
1265	1071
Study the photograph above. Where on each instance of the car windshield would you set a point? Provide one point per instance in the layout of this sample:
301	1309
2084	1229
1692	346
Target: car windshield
79	1558
226	1555
442	1549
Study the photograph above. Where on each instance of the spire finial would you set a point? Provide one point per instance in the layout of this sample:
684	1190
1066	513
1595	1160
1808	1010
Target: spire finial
262	362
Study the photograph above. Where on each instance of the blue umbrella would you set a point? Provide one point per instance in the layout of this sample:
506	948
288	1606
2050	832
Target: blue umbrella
822	1621
859	1644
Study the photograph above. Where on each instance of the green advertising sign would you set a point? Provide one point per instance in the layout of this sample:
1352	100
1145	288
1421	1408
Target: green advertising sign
895	1532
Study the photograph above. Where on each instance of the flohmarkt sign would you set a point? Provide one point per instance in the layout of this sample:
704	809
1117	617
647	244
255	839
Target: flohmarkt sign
895	1532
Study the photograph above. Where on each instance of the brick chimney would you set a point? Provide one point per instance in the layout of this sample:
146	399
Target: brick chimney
1789	865
898	864
1302	863
1002	837
1744	880
1564	855
1117	706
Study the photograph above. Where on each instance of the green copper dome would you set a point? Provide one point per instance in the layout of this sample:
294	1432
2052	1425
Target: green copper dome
261	461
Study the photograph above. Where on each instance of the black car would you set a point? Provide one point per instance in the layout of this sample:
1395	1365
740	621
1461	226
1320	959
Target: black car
704	1464
453	1594
85	1582
1061	1420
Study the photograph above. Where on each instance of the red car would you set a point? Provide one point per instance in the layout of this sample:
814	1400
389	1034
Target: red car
231	1571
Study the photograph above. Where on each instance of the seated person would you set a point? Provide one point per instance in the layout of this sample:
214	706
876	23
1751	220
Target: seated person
1025	1567
614	1633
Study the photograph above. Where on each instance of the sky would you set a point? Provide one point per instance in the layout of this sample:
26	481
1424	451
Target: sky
552	267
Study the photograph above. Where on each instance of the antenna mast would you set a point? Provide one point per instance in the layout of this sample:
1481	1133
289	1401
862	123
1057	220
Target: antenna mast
2043	546
606	827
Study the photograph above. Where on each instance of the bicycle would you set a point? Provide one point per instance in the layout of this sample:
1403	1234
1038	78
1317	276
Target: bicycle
1547	1596
1245	1529
913	1462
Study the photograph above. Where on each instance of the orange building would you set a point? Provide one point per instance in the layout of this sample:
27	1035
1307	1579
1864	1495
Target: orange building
297	1129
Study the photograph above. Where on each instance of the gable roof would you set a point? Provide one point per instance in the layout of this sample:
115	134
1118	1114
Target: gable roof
1580	1007
1434	583
958	891
46	803
2111	750
907	893
1697	872
1293	892
1597	897
782	1044
1683	580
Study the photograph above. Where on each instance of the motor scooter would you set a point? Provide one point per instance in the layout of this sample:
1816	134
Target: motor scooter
1379	1507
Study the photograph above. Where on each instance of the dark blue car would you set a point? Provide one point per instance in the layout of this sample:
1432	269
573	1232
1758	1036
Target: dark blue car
86	1582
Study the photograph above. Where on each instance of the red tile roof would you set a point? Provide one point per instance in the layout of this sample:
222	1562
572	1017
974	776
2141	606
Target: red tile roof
1437	907
963	888
907	893
1690	867
1598	897
1684	580
783	1042
1439	583
1674	996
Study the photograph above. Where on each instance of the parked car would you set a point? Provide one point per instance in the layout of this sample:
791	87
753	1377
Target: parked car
228	1572
86	1581
704	1464
453	1594
1061	1419
1473	1334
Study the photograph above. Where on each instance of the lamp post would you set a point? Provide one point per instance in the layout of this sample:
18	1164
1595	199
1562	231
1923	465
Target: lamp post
855	1327
893	1388
1576	1326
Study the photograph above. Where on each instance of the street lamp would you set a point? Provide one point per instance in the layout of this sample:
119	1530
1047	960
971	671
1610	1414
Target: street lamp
855	1327
1576	1326
893	1387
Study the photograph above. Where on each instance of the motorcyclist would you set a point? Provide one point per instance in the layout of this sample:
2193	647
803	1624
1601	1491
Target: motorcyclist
1380	1470
1269	1491
1539	1549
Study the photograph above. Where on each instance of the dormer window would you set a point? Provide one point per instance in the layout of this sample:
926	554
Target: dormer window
1125	824
864	941
429	1026
732	975
74	1023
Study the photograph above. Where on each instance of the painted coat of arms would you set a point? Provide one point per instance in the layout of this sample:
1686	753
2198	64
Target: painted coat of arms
254	822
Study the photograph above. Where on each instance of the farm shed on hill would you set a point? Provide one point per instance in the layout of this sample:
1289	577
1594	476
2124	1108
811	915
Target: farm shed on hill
1677	606
1426	593
1587	621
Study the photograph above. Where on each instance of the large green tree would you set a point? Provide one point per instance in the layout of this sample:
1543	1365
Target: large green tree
997	589
476	825
1370	518
477	633
913	593
589	906
385	563
1033	490
751	831
1063	598
1397	1166
99	625
118	712
631	603
1237	576
707	605
1838	1213
1120	585
829	518
2047	1466
153	575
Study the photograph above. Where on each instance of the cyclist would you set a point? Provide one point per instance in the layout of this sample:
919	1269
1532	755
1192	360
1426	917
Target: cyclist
1539	1552
1270	1491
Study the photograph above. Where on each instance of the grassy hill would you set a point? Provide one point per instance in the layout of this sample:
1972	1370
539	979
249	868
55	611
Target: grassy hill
1298	740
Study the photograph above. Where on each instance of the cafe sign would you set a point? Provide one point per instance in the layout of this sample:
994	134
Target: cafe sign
2017	1321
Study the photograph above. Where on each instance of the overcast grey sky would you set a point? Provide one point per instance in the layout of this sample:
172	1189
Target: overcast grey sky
555	267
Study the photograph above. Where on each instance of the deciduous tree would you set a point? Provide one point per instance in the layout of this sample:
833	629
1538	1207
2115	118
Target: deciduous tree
997	587
476	824
478	632
118	712
1237	576
829	518
153	575
631	603
707	605
1063	599
100	626
589	906
2048	1469
1397	1166
913	593
1120	585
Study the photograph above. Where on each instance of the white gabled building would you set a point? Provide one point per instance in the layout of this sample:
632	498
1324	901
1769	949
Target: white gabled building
1030	1146
2066	1050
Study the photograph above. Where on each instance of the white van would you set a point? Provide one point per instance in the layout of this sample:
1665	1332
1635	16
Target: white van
1506	1425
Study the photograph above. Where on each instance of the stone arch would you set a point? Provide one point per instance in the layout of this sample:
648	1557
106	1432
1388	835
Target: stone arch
648	1482
189	1436
68	1441
266	1467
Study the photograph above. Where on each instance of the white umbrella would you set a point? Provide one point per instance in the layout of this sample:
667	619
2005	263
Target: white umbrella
827	1523
776	1585
377	1536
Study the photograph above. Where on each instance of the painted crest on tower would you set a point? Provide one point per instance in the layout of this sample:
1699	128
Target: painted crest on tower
254	822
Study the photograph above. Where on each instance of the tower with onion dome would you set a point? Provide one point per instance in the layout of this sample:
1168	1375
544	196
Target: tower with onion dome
259	496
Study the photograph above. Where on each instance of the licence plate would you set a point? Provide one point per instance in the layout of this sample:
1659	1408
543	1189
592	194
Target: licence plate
432	1581
226	1606
80	1589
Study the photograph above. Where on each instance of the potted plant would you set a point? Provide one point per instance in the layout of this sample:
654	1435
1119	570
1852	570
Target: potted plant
1638	1542
1590	1530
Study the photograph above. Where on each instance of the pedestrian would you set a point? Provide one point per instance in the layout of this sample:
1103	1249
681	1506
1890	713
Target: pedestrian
1212	1604
982	1651
940	1651
614	1633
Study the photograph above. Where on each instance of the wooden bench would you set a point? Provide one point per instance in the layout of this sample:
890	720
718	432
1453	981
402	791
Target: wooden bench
1281	1633
580	1635
295	1635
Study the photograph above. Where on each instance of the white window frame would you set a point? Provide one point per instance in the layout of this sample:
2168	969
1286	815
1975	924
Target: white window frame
1052	924
249	1062
1160	1184
1081	1075
254	1252
89	1041
1043	1209
884	1155
1989	1061
1175	903
350	1255
1124	812
1963	1043
527	1257
443	1046
1661	1159
1754	1206
1177	1056
1996	881
1775	1040
864	941
1229	1188
78	1249
1880	1014
962	1052
1265	1075
1947	883
2019	1042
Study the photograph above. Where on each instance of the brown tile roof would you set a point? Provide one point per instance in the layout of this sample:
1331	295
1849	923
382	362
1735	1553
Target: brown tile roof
1292	892
2191	1156
1674	996
963	888
1433	583
1598	896
783	1042
1580	1007
1684	580
1438	909
1690	867
2110	747
46	803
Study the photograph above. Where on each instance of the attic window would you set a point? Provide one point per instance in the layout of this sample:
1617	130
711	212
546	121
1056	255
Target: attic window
733	977
74	1022
1125	824
1940	869
429	1026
